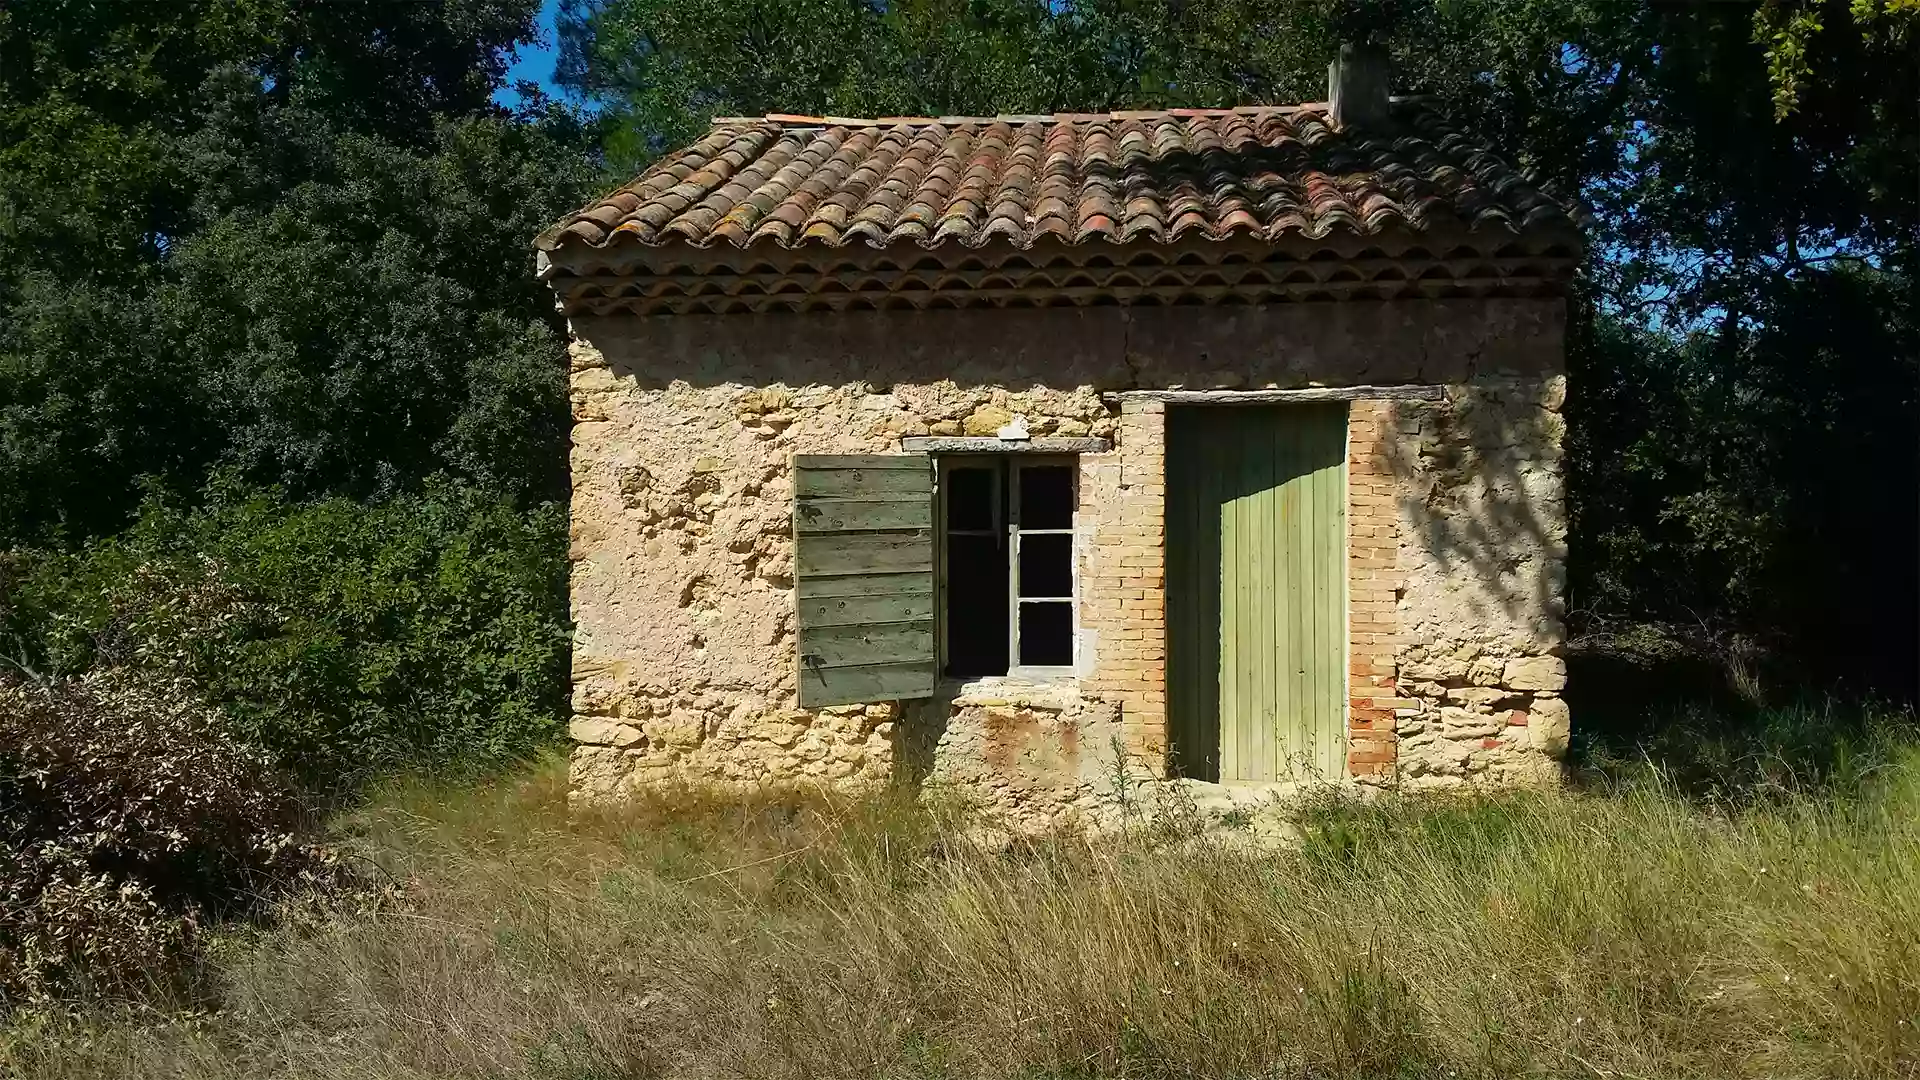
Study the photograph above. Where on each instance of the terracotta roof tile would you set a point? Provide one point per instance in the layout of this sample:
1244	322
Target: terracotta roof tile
788	181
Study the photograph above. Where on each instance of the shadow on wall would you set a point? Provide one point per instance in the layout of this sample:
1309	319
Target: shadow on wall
1061	348
916	738
1107	348
1481	484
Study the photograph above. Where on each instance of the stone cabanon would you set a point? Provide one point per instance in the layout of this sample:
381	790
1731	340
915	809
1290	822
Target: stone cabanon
1029	457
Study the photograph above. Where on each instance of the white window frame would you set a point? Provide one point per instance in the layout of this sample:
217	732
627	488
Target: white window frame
1006	513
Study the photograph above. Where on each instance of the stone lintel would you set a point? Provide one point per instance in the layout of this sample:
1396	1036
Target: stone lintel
1415	392
987	444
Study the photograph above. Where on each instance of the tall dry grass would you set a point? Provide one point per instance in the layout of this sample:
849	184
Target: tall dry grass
1629	934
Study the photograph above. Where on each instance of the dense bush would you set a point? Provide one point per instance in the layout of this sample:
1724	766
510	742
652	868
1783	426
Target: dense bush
286	245
346	639
128	813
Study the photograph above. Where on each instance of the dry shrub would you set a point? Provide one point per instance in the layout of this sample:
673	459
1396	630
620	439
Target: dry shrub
65	926
128	816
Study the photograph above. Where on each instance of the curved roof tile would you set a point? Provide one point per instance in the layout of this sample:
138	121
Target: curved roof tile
1262	171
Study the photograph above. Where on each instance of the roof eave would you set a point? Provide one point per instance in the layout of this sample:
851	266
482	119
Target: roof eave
625	254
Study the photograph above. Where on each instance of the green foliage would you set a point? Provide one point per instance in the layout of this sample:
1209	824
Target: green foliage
348	639
662	68
1733	754
129	813
285	246
289	242
1786	29
1777	505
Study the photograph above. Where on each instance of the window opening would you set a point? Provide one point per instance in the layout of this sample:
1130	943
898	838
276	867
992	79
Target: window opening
1043	537
976	570
1009	564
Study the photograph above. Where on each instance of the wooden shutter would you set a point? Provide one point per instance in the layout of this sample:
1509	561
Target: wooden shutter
863	577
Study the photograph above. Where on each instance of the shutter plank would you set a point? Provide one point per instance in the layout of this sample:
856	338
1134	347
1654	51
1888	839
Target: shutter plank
871	553
864	515
821	687
912	583
870	643
858	610
861	483
860	461
863	577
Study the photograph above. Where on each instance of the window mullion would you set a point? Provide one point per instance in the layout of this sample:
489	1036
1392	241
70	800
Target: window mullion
943	634
1013	564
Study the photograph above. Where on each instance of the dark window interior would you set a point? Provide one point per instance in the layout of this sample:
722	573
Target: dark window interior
1046	634
993	506
971	498
1046	497
976	606
1046	565
976	571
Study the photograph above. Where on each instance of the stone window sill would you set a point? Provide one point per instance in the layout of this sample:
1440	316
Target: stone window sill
1045	691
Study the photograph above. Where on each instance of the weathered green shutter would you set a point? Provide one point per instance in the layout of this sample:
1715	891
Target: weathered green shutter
863	575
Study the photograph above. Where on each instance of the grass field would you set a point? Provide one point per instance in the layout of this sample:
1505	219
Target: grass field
1630	931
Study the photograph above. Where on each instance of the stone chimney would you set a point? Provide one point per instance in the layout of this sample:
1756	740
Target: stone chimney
1357	86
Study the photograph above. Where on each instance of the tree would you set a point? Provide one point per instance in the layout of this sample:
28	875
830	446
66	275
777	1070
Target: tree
279	239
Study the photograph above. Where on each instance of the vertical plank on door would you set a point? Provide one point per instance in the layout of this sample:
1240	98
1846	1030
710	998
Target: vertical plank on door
1330	592
1193	530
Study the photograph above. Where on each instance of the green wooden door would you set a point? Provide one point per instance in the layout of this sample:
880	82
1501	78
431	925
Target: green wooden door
1257	590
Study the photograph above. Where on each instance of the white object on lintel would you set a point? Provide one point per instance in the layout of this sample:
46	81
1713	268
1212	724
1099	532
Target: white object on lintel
1014	431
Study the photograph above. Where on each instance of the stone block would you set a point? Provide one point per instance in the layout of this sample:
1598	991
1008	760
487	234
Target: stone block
680	729
1484	672
1536	673
986	420
1439	758
1468	724
597	731
1549	725
1483	696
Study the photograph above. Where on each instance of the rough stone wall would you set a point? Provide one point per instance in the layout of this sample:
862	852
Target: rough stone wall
1456	566
1026	756
683	569
684	428
1482	568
